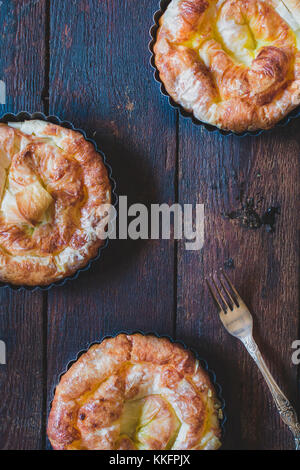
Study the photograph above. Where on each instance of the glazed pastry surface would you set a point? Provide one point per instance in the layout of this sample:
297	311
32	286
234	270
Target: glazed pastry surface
135	392
53	191
234	64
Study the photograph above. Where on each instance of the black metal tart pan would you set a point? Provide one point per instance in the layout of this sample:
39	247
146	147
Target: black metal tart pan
210	128
202	362
25	116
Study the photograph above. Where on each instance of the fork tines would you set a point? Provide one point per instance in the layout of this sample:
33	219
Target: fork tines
223	292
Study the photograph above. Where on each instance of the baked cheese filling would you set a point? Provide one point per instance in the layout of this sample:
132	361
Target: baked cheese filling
232	63
53	191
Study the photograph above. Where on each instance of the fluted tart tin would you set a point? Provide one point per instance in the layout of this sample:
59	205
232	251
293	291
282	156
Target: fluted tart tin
25	116
202	362
163	5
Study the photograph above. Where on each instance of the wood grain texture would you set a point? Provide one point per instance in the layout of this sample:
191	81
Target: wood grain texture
213	169
21	379
22	64
21	314
101	80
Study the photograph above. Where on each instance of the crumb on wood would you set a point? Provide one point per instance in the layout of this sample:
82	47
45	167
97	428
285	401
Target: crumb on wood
129	106
248	216
229	264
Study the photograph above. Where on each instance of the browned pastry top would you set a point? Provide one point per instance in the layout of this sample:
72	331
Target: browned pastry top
135	392
53	191
232	63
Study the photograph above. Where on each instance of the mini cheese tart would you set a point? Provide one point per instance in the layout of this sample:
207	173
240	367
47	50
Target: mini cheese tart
135	392
234	64
53	191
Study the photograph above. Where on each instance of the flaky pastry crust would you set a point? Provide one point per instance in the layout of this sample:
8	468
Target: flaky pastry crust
53	190
135	392
234	64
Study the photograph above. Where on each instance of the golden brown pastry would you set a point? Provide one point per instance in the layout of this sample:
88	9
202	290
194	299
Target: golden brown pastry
234	64
135	392
53	191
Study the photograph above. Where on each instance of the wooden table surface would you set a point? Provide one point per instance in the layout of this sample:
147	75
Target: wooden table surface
87	61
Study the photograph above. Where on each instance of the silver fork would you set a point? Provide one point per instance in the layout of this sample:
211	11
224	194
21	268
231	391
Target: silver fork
238	321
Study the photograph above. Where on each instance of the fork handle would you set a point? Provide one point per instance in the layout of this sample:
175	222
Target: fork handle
286	410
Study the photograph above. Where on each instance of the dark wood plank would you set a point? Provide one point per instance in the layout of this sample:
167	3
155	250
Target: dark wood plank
23	54
21	314
101	80
21	379
213	169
